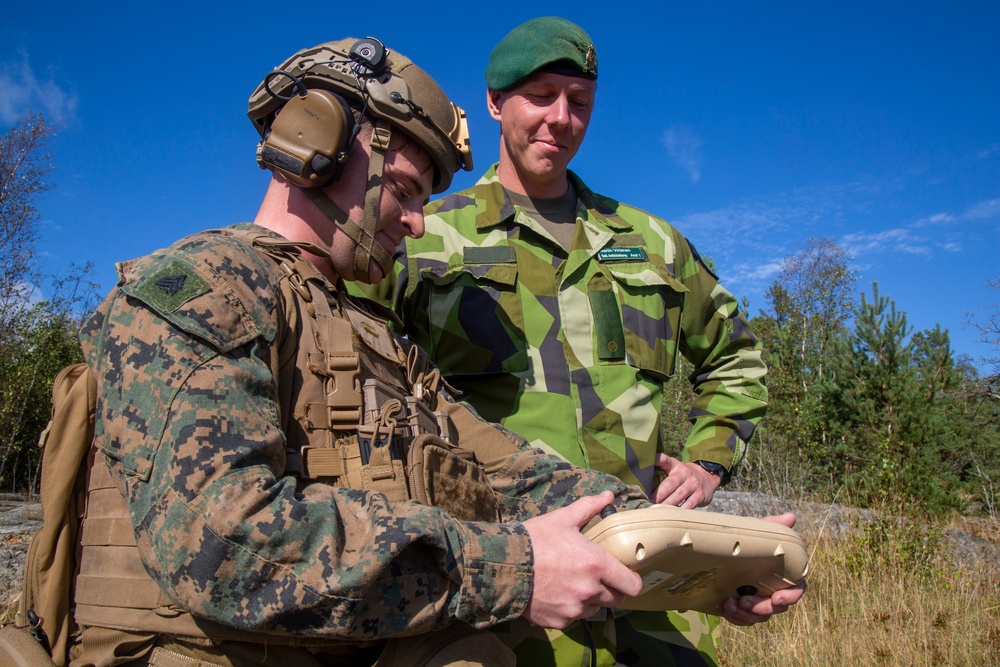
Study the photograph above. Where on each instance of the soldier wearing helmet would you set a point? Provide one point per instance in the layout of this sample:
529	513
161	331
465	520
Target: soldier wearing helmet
582	305
277	479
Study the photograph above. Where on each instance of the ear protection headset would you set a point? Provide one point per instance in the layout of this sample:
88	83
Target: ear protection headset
309	140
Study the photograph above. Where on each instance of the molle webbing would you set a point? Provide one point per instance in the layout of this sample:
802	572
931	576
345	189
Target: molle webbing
114	590
109	546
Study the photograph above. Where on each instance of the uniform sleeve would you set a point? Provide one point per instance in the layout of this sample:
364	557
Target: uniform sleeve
728	380
192	432
528	481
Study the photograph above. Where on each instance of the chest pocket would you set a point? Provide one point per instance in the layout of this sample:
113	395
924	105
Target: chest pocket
637	313
476	320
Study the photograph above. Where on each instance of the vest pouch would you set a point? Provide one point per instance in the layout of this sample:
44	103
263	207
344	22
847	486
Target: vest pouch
450	478
382	468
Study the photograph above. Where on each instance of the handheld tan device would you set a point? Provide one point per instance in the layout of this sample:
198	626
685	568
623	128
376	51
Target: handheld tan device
692	559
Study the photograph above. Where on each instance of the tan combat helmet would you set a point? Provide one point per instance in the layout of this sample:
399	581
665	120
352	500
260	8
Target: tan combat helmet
301	110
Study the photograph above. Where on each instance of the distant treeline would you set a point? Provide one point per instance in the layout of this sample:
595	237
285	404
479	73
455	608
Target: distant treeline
862	406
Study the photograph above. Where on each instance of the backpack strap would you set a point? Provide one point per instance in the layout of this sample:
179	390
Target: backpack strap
49	569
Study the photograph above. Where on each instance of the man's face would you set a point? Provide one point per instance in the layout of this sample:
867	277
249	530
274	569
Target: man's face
543	121
407	178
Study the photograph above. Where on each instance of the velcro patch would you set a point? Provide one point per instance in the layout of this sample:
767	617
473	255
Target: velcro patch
621	254
171	287
501	254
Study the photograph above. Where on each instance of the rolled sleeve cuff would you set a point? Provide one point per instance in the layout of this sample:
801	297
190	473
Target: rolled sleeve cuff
497	573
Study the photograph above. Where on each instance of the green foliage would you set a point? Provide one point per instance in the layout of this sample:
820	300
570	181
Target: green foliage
37	337
895	540
859	401
38	342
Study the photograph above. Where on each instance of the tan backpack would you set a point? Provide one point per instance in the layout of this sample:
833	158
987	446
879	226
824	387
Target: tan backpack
50	568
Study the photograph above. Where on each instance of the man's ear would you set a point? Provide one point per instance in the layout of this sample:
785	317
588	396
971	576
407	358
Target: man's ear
493	103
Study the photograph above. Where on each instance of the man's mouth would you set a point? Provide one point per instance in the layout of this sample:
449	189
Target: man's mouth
550	143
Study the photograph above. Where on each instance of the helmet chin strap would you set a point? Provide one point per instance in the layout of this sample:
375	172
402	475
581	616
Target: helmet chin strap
364	234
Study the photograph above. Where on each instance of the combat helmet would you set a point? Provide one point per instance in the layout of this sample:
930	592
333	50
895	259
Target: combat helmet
302	112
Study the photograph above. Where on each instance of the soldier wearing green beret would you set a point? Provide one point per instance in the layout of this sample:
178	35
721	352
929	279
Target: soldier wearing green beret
560	313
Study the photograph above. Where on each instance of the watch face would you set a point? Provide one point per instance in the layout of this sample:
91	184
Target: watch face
714	468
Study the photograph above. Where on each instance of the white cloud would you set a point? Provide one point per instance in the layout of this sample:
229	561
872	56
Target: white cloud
684	146
750	238
936	219
900	239
21	90
988	151
985	210
752	273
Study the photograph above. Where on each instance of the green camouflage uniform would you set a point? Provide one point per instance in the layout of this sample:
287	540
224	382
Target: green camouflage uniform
572	351
189	421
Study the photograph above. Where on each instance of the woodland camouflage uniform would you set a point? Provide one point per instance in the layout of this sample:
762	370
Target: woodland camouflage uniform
572	351
203	416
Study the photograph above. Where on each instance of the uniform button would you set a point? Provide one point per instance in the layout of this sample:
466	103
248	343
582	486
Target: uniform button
613	346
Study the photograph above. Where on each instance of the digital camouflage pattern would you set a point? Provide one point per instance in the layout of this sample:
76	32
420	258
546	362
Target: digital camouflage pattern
188	418
572	350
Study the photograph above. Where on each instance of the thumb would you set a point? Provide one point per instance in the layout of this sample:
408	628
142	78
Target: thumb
786	519
664	462
583	510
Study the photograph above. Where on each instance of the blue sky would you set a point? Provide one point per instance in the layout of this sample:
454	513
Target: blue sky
749	125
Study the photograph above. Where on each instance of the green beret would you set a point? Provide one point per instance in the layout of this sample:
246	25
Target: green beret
550	43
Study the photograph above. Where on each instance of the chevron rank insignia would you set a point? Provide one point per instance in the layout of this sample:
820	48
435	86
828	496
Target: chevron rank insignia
171	287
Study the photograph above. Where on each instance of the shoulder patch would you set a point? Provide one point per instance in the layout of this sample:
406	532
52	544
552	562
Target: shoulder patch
171	287
211	285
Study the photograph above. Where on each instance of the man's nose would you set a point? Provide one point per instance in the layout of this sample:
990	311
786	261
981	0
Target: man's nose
413	223
559	111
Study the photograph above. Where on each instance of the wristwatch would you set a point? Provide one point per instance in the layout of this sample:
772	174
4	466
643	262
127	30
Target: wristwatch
715	469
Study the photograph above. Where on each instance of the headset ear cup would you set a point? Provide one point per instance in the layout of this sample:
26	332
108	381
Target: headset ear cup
307	139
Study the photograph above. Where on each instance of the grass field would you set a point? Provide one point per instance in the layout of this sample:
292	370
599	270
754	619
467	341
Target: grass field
889	593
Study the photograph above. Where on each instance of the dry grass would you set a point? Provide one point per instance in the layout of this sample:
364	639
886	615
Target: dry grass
886	595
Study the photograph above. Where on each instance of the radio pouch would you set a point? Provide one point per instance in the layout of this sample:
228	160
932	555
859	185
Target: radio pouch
450	478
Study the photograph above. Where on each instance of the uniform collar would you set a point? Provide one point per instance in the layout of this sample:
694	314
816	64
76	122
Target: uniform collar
488	189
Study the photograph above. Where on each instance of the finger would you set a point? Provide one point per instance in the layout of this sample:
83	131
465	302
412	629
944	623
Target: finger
666	488
788	596
786	519
733	614
618	581
744	611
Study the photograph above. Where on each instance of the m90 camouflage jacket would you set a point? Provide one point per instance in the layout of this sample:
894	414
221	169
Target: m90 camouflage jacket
572	350
197	435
